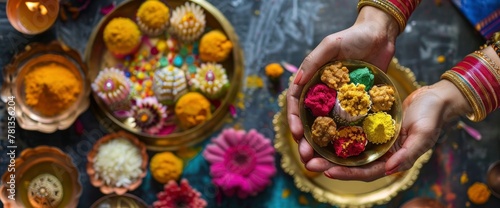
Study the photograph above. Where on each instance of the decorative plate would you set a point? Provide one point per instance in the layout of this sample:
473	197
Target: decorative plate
98	57
346	193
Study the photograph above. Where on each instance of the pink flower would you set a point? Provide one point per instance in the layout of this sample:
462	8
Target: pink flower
241	164
174	196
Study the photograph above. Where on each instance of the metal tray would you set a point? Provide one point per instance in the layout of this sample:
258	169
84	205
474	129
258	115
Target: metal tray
96	57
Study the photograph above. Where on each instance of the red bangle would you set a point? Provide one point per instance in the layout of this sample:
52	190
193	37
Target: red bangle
476	73
406	6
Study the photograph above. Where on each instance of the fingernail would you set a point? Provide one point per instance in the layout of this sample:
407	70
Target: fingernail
392	171
327	175
298	77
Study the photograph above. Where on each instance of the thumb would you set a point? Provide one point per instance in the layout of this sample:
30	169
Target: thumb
415	145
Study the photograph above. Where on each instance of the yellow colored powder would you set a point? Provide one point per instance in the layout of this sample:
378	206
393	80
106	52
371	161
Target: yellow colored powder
379	127
254	81
478	193
122	35
154	14
192	109
165	166
274	70
215	46
51	89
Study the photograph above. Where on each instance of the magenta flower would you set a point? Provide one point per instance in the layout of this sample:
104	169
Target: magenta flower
241	163
174	196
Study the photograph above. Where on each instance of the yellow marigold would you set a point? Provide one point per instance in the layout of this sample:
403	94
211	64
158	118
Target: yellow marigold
354	99
379	127
192	109
274	70
165	166
215	46
122	35
478	193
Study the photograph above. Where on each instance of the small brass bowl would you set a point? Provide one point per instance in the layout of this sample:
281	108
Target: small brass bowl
372	151
493	178
33	162
38	54
114	200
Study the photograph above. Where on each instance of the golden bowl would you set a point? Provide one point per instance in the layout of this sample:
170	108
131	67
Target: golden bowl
98	182
119	201
34	162
38	54
372	151
98	57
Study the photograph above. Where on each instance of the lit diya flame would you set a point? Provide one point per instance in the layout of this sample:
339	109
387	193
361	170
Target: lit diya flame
36	6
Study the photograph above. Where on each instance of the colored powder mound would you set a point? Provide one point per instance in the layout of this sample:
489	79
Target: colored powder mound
379	127
320	99
51	89
362	76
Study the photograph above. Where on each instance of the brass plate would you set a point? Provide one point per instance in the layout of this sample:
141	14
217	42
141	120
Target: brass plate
97	56
372	151
346	193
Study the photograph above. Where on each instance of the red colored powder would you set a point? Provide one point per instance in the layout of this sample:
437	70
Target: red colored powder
320	99
353	147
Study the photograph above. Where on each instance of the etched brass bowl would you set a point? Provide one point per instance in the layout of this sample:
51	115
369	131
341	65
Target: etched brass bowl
33	162
372	151
37	54
119	201
97	57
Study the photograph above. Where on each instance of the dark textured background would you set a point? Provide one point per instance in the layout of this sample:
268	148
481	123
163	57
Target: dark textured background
286	30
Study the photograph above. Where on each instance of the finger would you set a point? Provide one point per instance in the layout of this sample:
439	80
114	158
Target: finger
369	172
325	52
415	145
293	115
306	152
319	164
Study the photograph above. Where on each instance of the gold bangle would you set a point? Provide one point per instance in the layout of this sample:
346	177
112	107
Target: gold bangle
479	112
487	61
387	8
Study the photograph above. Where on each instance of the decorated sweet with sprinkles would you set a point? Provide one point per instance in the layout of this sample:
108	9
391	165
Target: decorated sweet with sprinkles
350	141
188	22
211	80
149	115
153	17
169	84
112	87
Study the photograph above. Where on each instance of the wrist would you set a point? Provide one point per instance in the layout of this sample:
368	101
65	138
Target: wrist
380	21
454	102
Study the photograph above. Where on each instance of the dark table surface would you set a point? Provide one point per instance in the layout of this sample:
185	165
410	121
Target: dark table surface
279	30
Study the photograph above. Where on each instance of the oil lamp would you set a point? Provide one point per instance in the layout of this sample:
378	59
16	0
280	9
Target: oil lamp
32	16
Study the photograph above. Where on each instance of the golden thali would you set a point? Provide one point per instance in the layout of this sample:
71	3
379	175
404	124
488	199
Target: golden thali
347	193
98	57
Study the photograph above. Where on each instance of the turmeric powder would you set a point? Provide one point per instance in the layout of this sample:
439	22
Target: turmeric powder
52	88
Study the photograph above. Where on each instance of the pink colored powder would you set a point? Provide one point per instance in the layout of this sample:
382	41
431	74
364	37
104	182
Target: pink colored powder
352	149
320	99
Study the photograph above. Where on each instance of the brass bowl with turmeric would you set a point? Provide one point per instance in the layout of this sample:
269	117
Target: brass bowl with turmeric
46	87
351	112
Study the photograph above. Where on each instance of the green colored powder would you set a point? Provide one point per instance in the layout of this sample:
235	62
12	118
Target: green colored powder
362	76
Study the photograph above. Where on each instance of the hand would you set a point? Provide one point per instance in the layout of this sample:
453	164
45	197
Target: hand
420	130
370	39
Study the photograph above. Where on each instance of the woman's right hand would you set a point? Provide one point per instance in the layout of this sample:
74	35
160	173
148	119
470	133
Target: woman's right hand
371	39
